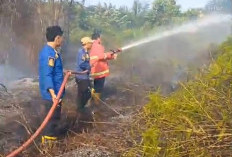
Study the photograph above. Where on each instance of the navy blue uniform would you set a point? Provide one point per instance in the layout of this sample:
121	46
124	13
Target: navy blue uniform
83	64
50	72
83	81
50	77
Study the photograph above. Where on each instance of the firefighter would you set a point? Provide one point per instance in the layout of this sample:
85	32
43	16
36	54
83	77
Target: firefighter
83	81
99	65
50	79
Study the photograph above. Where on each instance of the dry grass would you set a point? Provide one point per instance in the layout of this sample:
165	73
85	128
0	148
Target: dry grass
193	121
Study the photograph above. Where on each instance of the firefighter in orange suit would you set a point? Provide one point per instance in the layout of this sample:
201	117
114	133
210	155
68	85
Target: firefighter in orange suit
99	65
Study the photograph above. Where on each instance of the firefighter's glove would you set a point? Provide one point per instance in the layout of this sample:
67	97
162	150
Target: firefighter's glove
92	91
115	56
119	50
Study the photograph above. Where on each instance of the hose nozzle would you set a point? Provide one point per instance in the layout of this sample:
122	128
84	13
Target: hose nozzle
117	50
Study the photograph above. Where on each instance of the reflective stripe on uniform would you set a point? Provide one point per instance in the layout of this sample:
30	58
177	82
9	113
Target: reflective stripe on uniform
50	138
100	73
44	138
93	57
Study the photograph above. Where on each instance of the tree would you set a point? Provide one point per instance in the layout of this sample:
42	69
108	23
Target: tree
223	6
137	7
163	12
25	28
192	14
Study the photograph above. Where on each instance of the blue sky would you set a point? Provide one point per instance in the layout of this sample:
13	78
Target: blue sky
186	4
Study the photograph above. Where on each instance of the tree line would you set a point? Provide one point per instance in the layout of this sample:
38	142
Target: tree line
23	22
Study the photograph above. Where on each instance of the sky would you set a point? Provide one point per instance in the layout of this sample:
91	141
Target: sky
186	4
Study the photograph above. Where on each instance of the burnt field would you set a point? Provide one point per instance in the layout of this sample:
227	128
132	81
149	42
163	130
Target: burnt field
100	135
137	73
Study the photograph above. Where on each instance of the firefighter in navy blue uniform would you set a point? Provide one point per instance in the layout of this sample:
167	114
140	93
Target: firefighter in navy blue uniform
83	81
51	78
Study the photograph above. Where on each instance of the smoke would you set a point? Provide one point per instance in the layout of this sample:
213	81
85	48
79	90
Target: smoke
156	60
166	58
16	65
189	27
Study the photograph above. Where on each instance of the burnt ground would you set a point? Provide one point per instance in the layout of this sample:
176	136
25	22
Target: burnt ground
106	133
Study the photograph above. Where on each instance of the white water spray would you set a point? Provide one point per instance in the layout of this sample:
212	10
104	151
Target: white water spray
189	27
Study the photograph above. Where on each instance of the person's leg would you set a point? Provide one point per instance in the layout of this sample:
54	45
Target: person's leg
98	87
51	131
79	95
96	95
55	120
86	92
47	129
83	95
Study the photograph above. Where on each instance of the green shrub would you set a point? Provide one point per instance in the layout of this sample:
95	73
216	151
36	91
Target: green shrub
196	120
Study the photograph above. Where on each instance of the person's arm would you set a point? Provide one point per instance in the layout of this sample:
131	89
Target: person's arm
85	66
82	63
103	56
97	53
111	56
52	92
49	86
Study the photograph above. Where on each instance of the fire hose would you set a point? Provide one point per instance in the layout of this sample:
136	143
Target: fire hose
47	118
50	113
